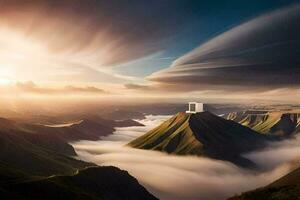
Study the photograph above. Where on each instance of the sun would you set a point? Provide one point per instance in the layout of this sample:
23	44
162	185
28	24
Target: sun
5	81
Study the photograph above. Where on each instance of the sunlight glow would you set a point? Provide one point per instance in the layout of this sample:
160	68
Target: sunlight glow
5	81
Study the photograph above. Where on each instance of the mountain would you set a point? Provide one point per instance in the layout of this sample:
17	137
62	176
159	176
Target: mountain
285	188
43	150
91	128
266	122
94	183
39	150
24	154
203	134
37	165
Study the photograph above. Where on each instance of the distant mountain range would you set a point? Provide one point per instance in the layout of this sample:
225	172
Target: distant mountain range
275	123
88	128
36	161
285	188
122	114
203	134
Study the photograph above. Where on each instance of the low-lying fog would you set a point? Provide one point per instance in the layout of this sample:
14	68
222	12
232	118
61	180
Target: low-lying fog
172	177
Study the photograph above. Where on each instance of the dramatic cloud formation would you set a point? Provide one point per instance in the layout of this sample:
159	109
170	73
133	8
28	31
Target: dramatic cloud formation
186	177
78	40
262	53
90	42
103	32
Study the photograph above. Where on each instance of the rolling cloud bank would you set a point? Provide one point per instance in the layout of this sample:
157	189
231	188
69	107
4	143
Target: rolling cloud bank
171	177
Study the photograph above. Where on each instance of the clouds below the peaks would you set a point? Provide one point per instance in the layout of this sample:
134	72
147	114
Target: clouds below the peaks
171	177
260	54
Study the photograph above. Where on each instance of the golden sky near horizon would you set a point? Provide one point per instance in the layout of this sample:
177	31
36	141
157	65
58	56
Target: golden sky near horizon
60	48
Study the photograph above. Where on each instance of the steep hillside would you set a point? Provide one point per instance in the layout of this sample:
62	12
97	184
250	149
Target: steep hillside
202	134
24	154
285	188
28	150
172	136
35	165
105	183
292	178
275	123
18	153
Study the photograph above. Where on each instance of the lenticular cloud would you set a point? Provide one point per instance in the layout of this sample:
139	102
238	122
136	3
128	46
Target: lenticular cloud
262	52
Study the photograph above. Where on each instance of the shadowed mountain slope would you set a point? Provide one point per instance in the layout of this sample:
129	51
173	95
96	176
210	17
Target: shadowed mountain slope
275	123
202	134
35	165
25	154
28	150
20	156
285	188
94	183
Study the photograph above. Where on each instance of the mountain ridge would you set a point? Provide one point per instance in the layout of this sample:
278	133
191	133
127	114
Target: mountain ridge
202	134
34	165
92	183
278	123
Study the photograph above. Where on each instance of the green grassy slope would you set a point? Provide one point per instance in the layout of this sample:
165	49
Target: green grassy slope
172	136
202	134
89	184
276	123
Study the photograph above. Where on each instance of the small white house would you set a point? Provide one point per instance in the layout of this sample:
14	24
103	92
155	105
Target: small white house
195	107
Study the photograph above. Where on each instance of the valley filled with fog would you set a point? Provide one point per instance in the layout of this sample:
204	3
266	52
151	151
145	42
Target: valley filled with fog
172	177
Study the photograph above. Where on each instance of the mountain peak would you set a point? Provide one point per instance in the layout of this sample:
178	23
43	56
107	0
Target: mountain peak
202	134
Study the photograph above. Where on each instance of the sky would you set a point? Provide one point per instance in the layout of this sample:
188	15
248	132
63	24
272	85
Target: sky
160	48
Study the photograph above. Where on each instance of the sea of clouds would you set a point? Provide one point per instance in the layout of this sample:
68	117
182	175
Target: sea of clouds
171	177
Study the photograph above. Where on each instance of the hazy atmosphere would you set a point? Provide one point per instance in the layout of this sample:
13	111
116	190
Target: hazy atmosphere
175	177
148	100
212	49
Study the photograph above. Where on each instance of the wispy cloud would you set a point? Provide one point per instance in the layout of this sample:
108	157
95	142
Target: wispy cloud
31	88
38	45
259	54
